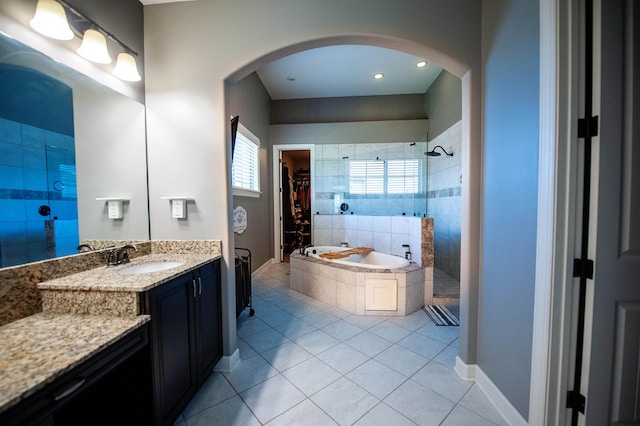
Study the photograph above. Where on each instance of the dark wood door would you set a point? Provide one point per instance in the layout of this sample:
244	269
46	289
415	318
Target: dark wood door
171	342
208	313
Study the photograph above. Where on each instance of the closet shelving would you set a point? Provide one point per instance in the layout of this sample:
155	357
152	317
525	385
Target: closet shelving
297	220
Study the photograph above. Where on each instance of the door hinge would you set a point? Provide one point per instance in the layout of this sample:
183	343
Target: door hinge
588	127
576	401
583	268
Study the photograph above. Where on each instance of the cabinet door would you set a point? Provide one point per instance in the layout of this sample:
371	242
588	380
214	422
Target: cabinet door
171	343
208	312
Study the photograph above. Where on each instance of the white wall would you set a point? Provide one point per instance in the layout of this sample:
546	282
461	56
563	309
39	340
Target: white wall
191	48
111	162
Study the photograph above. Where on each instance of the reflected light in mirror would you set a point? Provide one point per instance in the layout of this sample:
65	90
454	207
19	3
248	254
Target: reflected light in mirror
94	47
50	20
126	68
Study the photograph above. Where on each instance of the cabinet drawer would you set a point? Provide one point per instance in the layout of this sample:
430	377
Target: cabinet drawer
42	405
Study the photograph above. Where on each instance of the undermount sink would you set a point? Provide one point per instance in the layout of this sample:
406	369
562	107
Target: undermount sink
144	268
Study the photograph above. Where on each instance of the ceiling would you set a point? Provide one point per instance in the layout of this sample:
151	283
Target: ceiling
341	71
346	70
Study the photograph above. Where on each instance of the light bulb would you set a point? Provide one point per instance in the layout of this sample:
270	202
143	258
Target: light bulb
50	20
126	68
94	47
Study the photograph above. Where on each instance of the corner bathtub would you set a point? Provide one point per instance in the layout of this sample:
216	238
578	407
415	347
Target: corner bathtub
372	284
373	260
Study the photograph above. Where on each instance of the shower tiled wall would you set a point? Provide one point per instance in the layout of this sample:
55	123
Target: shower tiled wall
24	188
331	171
444	199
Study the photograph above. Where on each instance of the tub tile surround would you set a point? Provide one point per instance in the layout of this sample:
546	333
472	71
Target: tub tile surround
21	296
346	287
385	234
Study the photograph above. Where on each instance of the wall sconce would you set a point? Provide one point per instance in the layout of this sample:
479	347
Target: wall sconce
114	207
178	206
50	20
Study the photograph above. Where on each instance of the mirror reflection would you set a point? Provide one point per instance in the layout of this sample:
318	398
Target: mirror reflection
67	144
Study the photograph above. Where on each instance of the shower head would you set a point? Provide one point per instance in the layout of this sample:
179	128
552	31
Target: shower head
433	152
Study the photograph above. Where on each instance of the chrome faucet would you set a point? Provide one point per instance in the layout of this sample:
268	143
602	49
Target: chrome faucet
82	247
112	260
303	249
118	256
122	256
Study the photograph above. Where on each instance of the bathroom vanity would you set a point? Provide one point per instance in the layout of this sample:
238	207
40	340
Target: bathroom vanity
115	342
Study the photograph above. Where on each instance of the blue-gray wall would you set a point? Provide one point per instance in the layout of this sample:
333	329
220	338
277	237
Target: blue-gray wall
249	99
443	103
511	73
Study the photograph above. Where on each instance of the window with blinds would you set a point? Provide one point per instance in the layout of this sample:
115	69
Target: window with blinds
380	177
402	176
246	164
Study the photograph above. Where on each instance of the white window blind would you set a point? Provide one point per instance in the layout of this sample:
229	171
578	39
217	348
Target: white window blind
379	177
366	177
246	164
402	176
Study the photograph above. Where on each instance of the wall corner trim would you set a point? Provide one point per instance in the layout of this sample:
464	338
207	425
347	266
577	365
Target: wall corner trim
228	363
465	371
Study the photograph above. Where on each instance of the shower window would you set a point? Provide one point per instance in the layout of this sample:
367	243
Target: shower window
403	176
366	177
370	177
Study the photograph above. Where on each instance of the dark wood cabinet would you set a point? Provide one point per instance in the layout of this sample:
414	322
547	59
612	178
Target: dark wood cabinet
112	387
186	339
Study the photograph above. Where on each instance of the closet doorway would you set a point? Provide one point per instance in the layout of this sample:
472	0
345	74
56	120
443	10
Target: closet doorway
294	204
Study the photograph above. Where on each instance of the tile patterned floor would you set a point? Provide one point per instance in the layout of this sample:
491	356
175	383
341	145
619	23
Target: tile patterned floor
306	363
444	284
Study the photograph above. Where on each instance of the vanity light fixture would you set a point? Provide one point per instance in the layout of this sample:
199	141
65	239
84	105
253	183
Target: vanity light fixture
94	47
50	20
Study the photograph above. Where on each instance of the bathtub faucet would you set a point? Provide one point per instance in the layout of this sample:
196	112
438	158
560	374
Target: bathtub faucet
303	249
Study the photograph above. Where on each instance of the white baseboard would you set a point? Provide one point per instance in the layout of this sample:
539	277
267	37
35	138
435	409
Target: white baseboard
472	372
502	404
264	265
228	363
465	371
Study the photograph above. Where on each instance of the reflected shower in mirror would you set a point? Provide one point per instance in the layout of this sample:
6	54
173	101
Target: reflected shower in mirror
65	142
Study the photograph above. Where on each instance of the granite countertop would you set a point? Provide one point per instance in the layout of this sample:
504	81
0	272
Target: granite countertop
36	350
109	279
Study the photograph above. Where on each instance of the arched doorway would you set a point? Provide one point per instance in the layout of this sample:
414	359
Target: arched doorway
470	168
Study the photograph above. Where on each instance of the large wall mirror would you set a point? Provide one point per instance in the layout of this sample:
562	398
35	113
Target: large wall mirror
67	144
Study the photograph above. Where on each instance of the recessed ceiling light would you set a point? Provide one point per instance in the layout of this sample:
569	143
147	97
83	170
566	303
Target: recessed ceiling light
378	76
291	79
421	64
